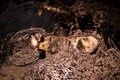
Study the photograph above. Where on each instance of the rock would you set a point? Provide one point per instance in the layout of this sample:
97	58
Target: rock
87	44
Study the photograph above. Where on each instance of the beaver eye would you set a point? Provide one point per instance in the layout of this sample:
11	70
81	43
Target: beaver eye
42	39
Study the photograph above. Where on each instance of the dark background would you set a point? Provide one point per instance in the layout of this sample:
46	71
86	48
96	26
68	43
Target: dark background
14	16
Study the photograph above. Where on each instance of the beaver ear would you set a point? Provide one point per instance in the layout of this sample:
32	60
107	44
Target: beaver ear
34	41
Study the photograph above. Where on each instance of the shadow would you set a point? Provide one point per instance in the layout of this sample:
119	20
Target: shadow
107	30
42	54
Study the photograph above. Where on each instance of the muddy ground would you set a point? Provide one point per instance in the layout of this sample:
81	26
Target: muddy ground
20	61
